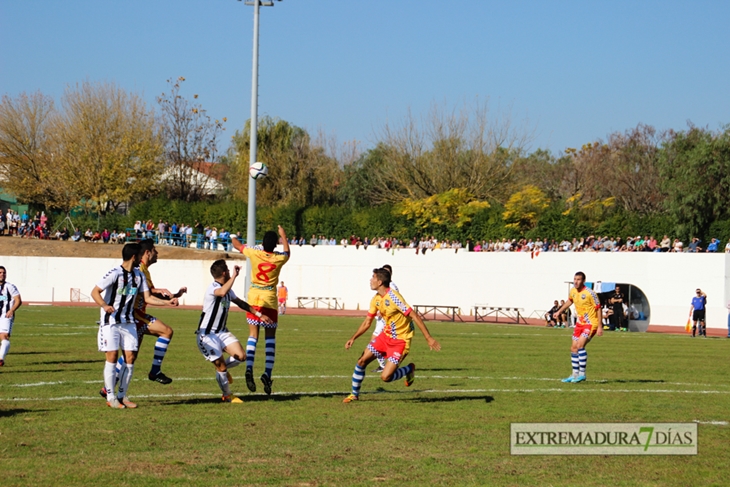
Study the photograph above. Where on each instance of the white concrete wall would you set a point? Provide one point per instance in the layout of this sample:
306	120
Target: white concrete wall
440	277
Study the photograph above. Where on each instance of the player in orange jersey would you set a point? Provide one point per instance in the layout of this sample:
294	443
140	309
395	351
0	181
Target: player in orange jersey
266	265
282	293
395	340
588	324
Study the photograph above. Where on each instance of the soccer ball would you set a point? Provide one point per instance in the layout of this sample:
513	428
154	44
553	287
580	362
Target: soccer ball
258	170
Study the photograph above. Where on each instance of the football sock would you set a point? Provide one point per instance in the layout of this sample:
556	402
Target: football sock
110	375
119	367
582	360
232	362
270	355
574	361
222	380
381	361
125	380
400	373
4	348
250	352
160	351
357	378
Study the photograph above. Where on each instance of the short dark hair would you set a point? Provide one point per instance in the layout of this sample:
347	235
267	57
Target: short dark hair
146	245
129	251
3	268
271	240
218	268
383	276
579	273
389	269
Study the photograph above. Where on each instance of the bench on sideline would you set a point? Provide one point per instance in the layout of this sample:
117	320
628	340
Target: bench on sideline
441	313
314	302
513	315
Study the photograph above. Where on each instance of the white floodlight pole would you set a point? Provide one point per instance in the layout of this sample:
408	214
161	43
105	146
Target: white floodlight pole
251	218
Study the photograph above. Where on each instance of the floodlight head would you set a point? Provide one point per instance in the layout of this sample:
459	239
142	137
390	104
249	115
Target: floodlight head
262	3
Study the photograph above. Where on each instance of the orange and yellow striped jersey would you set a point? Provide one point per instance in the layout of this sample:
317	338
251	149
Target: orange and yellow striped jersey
265	269
587	305
140	304
396	313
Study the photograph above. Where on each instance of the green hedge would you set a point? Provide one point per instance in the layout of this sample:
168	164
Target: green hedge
343	221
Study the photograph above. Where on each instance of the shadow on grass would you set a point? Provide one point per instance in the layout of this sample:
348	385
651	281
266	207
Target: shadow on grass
419	369
12	412
62	362
486	399
254	398
633	381
38	353
43	371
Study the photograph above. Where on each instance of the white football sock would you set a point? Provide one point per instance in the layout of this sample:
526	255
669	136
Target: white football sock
109	379
4	348
125	380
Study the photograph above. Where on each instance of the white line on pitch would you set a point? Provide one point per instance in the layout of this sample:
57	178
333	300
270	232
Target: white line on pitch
342	393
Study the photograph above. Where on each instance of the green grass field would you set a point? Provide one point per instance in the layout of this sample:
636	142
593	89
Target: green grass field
450	428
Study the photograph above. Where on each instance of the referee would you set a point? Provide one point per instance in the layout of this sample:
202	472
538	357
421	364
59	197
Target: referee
699	303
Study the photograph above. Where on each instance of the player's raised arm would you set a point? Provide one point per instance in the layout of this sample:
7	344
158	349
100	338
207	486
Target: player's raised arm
223	290
364	326
284	240
432	343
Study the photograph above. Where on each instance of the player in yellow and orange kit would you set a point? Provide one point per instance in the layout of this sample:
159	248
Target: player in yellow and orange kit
394	342
588	324
266	265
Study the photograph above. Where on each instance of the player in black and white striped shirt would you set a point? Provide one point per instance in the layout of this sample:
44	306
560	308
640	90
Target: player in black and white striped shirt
10	301
213	335
117	327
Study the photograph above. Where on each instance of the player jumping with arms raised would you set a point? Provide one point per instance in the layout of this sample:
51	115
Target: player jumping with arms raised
213	335
394	342
588	324
266	265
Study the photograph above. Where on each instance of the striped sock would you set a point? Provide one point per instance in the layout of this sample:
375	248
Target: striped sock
222	380
270	355
160	351
119	368
357	378
250	352
574	361
582	360
400	373
124	381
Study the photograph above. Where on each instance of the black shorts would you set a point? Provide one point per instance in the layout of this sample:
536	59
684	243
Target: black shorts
698	315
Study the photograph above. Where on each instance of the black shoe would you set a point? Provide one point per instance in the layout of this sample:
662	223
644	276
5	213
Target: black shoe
249	380
159	377
267	383
102	392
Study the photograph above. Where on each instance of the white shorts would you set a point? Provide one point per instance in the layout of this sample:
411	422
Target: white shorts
379	325
112	337
6	325
213	344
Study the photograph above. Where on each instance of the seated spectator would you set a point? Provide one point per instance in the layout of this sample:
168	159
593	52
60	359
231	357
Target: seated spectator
727	247
105	235
76	236
678	246
88	235
96	237
712	247
694	246
550	315
64	234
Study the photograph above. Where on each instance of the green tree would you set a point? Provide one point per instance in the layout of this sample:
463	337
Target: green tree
695	170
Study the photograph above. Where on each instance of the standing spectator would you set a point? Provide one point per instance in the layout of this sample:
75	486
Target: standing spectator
699	303
213	238
617	304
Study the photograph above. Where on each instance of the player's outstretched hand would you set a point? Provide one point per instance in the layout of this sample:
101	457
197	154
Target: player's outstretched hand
182	291
174	302
236	270
164	292
434	345
266	319
349	344
282	233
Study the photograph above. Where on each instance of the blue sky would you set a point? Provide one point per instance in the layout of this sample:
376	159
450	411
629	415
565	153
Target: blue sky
576	70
